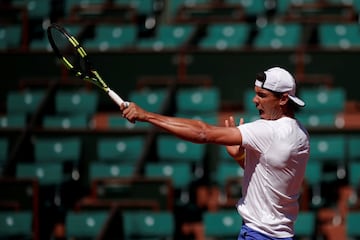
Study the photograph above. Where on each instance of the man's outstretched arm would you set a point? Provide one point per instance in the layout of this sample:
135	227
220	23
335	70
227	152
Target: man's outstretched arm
188	129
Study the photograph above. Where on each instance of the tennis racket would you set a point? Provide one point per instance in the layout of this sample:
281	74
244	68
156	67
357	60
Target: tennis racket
68	49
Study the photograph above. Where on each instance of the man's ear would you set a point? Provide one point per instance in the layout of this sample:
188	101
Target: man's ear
284	99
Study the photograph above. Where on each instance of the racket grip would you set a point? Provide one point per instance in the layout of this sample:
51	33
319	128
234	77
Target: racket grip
117	98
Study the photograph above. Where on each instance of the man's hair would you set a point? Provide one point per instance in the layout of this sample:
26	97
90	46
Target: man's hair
261	76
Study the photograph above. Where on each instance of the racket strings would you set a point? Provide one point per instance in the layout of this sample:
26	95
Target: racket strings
69	49
74	56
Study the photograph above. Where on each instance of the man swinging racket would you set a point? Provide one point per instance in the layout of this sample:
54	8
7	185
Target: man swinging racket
273	151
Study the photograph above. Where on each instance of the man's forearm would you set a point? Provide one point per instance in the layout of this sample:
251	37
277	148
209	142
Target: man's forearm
188	129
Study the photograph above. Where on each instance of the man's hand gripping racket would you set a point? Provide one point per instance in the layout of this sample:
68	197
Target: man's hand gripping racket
68	49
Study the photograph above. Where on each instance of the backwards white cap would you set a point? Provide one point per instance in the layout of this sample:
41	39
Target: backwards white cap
281	81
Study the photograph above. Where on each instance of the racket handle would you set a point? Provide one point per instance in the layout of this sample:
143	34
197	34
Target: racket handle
117	98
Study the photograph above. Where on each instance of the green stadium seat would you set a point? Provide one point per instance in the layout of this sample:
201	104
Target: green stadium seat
339	35
354	182
143	7
198	100
65	151
226	171
13	120
329	147
48	174
179	173
167	37
109	170
356	5
36	9
330	151
319	119
224	224
252	7
69	102
352	225
305	225
223	36
66	122
354	174
24	102
148	224
150	99
322	100
60	149
284	5
10	36
16	225
111	37
313	179
122	149
85	224
171	148
227	177
278	36
354	148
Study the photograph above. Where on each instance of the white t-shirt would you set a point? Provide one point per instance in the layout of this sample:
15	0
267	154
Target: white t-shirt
276	155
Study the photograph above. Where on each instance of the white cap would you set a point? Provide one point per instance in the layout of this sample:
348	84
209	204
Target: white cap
281	81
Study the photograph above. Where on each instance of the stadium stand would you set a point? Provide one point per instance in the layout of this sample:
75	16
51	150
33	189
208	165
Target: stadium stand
102	185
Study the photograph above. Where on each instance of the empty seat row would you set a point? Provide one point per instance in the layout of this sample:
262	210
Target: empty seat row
37	9
218	36
333	158
125	151
89	224
257	7
250	8
145	224
76	108
66	102
71	108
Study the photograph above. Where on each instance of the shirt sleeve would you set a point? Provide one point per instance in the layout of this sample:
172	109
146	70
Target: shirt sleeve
257	135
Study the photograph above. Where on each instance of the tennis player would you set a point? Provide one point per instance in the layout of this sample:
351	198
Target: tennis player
273	150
